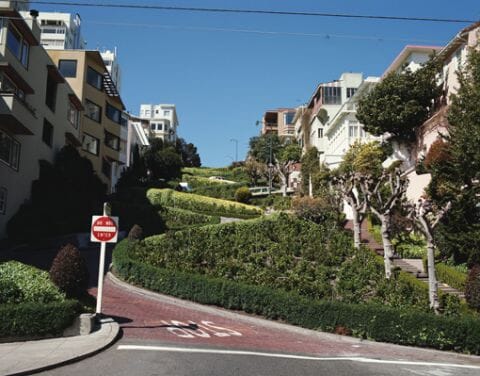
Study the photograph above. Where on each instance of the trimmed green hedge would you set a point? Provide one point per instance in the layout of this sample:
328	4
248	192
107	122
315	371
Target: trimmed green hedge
376	322
451	276
36	320
177	219
201	204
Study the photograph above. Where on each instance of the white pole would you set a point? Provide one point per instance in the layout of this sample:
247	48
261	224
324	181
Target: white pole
101	266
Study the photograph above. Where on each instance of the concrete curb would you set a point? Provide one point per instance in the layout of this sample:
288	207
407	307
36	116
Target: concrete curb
25	358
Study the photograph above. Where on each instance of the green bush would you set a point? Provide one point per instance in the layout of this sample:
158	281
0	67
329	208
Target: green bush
451	276
176	219
223	191
31	284
201	204
10	293
69	272
315	210
31	319
243	195
370	321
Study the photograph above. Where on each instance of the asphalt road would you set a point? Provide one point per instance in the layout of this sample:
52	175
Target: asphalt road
184	361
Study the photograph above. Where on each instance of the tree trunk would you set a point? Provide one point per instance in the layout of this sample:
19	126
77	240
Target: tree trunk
356	228
310	186
432	279
387	245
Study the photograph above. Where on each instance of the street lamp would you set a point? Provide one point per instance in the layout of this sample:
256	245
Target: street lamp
236	148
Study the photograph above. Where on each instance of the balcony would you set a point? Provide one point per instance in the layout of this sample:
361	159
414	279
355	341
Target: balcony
14	5
16	116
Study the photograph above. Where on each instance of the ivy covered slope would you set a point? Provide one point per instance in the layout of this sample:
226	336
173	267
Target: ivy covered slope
282	252
30	304
201	204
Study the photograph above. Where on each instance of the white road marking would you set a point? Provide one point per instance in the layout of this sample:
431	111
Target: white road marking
192	329
287	356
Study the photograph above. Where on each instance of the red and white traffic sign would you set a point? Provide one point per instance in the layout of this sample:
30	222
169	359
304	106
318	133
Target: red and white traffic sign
104	229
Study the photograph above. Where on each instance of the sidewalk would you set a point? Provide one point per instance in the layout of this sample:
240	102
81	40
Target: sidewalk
20	358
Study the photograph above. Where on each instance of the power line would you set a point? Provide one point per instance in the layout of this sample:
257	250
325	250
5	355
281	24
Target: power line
263	32
248	11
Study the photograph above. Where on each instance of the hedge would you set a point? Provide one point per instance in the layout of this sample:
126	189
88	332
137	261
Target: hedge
201	204
36	320
177	219
375	322
451	276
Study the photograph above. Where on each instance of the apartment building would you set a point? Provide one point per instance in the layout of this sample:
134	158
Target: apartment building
138	133
61	31
279	121
39	110
328	120
110	59
452	57
160	121
104	130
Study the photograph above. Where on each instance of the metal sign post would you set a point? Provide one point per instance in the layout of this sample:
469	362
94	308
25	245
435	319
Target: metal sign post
104	230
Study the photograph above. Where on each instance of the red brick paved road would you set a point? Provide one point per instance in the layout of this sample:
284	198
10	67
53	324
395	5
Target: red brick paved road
148	316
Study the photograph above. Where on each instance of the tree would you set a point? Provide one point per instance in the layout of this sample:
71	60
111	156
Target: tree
427	216
188	153
310	166
285	158
264	147
400	103
361	163
384	194
456	179
162	160
255	170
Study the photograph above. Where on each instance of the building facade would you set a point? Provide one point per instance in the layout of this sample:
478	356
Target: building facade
104	130
160	121
39	111
111	62
280	122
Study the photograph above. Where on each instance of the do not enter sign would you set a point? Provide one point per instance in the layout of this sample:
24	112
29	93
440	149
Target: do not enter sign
104	229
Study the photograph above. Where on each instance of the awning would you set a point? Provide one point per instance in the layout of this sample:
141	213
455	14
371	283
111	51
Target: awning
54	73
76	102
12	125
17	79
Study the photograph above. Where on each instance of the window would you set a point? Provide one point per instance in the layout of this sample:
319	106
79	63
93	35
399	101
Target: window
68	68
351	91
332	95
152	126
124	120
159	126
166	113
9	150
51	95
19	47
47	134
3	200
94	78
73	115
93	111
106	168
7	86
288	117
90	144
113	113
353	131
112	141
320	132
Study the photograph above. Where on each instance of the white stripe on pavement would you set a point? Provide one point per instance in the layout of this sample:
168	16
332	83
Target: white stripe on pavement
287	356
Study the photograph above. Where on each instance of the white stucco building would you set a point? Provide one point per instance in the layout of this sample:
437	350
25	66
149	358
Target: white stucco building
160	120
110	59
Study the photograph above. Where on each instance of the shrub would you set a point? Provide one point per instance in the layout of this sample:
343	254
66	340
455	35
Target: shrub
177	219
69	271
135	233
437	155
243	195
201	204
472	289
36	320
24	283
376	322
314	209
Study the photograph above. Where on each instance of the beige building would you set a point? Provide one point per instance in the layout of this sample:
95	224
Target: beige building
104	130
279	121
39	111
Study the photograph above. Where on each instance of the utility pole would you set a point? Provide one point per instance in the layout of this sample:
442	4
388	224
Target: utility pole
236	148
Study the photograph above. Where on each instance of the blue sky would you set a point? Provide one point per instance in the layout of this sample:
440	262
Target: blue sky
223	81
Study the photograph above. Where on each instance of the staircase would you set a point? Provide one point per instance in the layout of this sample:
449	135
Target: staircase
412	266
